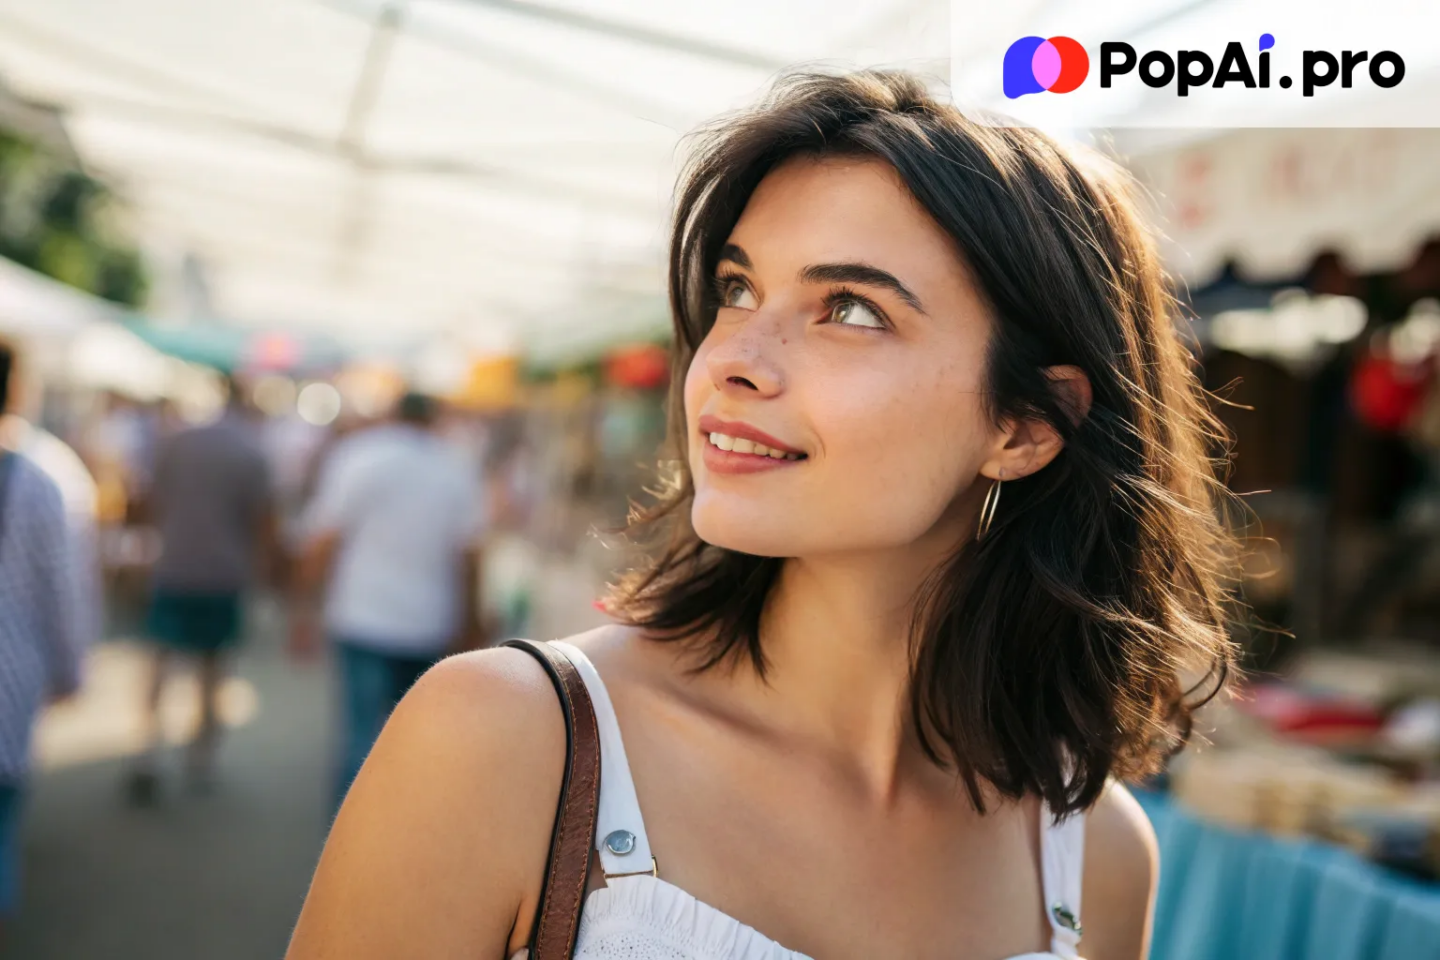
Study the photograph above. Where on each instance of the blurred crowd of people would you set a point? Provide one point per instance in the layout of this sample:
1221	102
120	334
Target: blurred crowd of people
371	532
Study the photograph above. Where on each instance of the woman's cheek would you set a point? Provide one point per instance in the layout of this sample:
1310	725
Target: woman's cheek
866	409
890	443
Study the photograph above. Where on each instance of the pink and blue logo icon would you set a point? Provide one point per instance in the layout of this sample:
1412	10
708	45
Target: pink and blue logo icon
1035	64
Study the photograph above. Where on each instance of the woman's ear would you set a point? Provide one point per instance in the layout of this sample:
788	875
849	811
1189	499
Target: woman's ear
1031	444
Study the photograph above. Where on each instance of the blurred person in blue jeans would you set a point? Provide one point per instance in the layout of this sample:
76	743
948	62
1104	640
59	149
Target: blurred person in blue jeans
40	640
211	502
392	542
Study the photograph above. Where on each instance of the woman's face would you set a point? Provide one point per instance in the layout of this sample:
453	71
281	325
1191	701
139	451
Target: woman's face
850	344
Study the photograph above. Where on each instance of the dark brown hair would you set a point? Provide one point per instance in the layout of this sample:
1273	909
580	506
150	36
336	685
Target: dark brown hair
1050	655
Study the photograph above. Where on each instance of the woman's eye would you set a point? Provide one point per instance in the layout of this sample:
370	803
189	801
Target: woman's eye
855	314
736	294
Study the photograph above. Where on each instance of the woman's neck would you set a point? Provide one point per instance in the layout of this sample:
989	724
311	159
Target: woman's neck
836	639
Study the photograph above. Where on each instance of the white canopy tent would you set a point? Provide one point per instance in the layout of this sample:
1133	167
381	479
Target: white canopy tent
499	171
496	167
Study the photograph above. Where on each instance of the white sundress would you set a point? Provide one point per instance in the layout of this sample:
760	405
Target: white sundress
638	916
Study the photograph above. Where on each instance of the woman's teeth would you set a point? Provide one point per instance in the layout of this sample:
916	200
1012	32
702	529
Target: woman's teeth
739	445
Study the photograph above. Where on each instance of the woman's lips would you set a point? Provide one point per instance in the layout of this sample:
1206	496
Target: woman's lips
737	430
728	461
733	447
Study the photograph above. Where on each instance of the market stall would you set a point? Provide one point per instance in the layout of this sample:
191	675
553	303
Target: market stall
1268	201
1308	824
1298	252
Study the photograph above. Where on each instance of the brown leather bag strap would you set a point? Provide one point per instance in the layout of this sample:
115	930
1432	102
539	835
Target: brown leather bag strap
572	844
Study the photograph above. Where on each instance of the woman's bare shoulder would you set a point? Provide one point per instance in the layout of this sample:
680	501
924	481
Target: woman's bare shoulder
444	834
482	708
499	704
493	720
1122	866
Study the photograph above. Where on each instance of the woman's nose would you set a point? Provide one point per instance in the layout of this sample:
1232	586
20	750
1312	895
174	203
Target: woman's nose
745	358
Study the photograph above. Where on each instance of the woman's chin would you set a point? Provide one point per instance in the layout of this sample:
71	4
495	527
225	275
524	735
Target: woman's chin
743	531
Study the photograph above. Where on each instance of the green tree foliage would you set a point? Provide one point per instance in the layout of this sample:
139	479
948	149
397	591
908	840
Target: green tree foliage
60	221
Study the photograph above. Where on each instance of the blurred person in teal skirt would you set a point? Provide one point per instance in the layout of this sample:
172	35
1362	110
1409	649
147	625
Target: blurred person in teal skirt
211	502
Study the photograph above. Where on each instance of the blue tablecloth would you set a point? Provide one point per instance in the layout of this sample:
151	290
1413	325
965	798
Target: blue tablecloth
1227	895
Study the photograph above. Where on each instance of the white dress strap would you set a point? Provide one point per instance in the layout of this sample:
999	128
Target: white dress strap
619	829
1062	862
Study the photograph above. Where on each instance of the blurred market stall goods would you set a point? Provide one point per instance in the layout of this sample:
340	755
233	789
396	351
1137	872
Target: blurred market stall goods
1307	821
1346	748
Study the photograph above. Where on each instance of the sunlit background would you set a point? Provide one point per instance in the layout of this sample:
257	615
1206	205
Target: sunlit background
333	200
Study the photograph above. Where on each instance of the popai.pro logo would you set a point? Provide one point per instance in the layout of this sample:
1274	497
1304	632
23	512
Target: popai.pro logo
1060	64
1035	64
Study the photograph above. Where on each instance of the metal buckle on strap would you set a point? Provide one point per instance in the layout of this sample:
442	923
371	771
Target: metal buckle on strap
1066	918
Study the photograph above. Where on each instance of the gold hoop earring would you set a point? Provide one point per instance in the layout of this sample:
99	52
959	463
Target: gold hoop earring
987	510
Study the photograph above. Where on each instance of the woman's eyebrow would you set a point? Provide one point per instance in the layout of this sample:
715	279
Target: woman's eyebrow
735	255
861	273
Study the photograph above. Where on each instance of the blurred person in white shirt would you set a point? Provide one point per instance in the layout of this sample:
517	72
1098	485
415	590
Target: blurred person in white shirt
392	541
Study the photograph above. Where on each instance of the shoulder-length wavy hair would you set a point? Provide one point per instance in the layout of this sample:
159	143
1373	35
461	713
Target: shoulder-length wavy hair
1050	655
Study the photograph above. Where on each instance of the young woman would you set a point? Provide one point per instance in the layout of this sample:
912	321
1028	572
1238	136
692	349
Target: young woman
937	555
